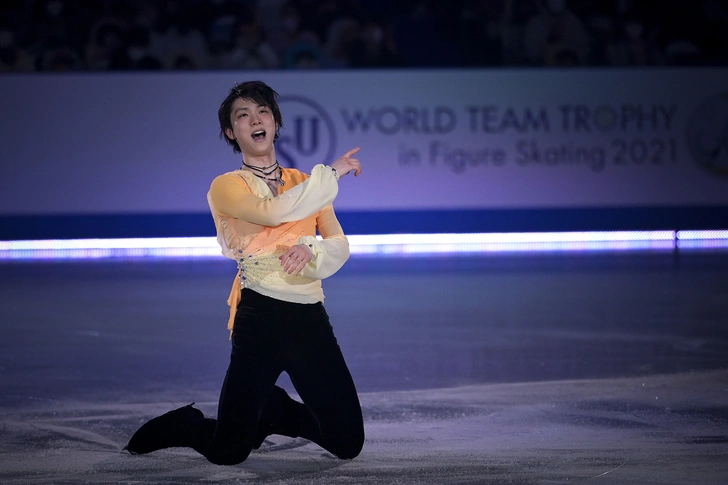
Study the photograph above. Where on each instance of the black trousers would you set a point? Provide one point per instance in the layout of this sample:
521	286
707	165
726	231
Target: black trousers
272	336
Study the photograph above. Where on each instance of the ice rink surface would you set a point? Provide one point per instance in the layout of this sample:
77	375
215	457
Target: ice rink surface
522	369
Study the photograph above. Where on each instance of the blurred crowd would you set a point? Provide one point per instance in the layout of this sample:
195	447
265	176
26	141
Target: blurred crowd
102	35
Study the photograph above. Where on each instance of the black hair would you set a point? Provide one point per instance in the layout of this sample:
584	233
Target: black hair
256	91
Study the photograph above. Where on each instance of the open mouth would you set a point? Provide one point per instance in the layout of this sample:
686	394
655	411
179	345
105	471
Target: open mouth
258	135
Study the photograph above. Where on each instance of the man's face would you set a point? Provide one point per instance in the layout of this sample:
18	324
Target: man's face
253	127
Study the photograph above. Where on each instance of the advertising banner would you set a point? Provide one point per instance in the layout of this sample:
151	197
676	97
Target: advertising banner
430	139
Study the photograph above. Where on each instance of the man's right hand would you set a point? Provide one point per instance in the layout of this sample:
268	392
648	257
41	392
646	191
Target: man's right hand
346	164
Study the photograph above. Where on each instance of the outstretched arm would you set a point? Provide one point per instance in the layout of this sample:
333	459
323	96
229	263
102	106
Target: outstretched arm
302	201
318	259
229	196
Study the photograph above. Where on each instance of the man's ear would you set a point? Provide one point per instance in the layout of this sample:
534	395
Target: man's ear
229	133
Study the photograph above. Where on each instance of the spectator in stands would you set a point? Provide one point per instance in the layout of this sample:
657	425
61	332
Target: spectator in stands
377	46
602	24
515	15
715	39
61	58
175	35
12	56
679	33
694	33
221	31
213	34
427	35
553	31
482	32
303	59
344	42
184	63
107	49
250	49
51	21
300	48
305	53
630	46
317	15
138	48
287	31
269	17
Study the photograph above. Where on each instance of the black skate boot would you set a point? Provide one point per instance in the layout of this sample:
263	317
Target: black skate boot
175	428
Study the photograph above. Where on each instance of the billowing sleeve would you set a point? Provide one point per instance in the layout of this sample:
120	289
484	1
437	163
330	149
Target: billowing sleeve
303	200
331	252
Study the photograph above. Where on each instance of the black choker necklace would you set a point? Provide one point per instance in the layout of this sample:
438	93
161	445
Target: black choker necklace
263	172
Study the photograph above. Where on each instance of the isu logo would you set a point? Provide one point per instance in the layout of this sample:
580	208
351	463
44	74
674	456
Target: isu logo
708	134
308	135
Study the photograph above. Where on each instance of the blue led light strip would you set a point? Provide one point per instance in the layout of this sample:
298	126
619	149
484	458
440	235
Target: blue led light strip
385	244
703	239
